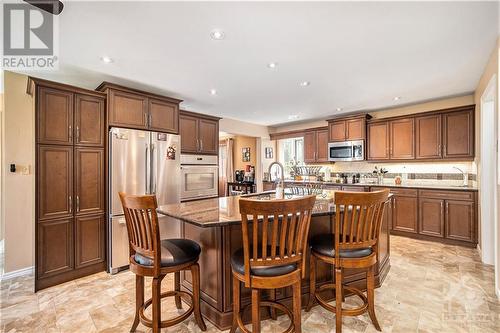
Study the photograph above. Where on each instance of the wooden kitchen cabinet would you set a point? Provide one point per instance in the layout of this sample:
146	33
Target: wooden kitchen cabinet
316	145
378	141
428	137
405	211
347	129
310	147
131	108
460	220
402	139
90	242
54	181
431	216
199	133
89	120
322	145
458	134
55	123
69	183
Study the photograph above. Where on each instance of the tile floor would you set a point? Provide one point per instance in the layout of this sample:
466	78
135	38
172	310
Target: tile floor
430	288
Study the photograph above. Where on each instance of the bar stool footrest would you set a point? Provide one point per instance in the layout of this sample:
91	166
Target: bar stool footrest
345	312
168	322
272	304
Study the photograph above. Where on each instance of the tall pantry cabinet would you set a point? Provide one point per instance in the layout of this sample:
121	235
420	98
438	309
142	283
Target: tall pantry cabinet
70	182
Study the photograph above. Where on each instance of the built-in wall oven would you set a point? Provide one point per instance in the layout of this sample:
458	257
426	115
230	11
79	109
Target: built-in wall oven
346	151
199	177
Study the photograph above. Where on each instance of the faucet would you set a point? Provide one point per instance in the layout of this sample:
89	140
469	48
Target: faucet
465	176
282	169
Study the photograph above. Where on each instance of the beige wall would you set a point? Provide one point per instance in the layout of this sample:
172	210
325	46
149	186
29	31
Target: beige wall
243	142
18	146
237	127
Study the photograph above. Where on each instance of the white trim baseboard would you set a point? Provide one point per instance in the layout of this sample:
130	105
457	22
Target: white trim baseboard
18	273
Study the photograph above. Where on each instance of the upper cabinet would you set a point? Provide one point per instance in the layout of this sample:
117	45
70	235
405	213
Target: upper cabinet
446	134
132	108
347	129
316	145
89	120
55	124
199	133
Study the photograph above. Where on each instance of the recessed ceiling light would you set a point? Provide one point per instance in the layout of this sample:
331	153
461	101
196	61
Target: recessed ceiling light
293	117
272	65
305	83
106	59
213	92
339	109
397	98
217	34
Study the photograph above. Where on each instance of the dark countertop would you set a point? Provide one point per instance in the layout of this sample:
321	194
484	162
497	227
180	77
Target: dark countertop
224	211
411	184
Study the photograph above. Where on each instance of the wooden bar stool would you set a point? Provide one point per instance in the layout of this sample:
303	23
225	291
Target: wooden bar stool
358	219
150	256
272	255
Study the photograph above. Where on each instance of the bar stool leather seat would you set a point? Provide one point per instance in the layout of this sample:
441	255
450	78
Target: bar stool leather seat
173	252
324	244
238	265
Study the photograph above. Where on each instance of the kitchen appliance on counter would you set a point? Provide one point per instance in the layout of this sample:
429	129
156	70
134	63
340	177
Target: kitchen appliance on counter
346	151
199	177
239	175
141	162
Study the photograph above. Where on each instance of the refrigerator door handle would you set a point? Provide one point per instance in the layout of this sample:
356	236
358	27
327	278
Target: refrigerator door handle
153	171
146	173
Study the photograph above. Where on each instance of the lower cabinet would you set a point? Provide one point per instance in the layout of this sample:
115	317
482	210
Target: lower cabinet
405	213
89	240
55	247
431	217
460	220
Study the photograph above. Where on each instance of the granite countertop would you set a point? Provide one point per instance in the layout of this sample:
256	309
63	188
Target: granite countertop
424	184
225	211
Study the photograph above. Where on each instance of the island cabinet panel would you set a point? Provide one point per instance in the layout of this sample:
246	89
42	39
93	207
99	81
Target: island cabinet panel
89	240
402	139
378	141
89	120
199	133
458	134
405	210
211	263
70	184
337	131
126	109
55	182
164	116
431	217
55	247
55	121
428	137
89	174
460	220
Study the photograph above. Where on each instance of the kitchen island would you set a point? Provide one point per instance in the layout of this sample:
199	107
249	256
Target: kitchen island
216	225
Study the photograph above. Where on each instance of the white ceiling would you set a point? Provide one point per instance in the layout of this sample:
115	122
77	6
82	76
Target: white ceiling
357	56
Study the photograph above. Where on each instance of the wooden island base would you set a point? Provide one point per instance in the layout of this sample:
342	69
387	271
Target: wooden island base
219	242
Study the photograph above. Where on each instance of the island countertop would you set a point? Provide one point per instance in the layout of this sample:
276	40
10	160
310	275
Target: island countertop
224	211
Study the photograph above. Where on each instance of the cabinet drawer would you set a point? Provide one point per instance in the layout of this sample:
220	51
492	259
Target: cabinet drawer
354	188
404	192
449	195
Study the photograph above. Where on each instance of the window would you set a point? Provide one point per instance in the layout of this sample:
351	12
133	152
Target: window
291	152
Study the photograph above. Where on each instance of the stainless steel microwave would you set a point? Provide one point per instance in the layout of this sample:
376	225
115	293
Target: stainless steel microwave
346	151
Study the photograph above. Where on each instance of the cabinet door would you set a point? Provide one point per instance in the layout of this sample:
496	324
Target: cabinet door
404	214
428	137
55	181
431	217
378	141
55	116
402	142
127	109
322	145
89	178
355	129
458	134
89	120
209	136
310	147
89	240
188	129
459	222
164	116
55	247
337	130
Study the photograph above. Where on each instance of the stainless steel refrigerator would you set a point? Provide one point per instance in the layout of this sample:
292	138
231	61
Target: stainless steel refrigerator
141	162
